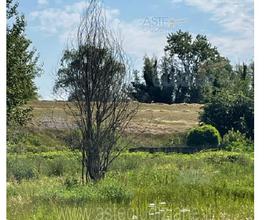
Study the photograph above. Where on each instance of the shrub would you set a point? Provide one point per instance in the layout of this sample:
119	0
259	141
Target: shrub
56	167
230	111
203	136
73	139
21	169
236	141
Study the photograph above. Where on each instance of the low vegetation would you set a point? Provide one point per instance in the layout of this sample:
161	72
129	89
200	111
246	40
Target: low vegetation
219	184
44	176
204	136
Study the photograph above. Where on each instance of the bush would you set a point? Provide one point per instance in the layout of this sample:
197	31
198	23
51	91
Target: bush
21	169
73	139
203	136
56	167
236	141
230	111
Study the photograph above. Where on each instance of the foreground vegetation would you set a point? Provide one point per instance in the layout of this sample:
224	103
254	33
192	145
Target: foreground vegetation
206	185
44	175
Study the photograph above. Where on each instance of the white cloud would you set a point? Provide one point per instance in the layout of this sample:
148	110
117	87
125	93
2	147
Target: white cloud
237	48
137	41
225	12
236	19
42	2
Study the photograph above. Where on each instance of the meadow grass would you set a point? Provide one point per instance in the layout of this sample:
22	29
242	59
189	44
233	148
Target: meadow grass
206	185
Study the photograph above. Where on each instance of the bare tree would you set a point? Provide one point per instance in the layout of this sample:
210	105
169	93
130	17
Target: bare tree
95	73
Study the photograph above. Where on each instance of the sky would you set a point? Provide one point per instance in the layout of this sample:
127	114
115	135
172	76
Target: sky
142	26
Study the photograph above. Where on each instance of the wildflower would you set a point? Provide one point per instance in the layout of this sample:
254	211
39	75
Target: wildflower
185	210
151	205
134	217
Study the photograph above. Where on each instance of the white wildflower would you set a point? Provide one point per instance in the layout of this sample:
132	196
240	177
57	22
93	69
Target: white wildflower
134	217
185	210
151	205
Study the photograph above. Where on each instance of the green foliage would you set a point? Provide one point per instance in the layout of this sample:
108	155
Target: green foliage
29	165
205	135
150	91
111	190
228	110
230	103
191	54
70	182
60	163
218	182
21	169
56	167
73	139
22	140
183	74
72	64
217	75
236	141
168	71
21	68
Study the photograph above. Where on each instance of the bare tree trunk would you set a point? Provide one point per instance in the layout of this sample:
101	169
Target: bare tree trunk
93	166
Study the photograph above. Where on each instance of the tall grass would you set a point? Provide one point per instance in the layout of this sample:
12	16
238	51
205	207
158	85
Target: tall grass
209	185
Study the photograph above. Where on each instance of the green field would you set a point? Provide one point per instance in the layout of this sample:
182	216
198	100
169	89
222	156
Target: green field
44	174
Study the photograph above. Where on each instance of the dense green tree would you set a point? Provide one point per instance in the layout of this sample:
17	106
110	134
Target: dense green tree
228	110
244	79
150	89
152	82
215	76
167	79
138	90
190	54
22	67
230	98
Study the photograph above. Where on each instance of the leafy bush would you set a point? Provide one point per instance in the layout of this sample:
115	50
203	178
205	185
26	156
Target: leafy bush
22	169
205	135
56	167
236	141
230	111
73	139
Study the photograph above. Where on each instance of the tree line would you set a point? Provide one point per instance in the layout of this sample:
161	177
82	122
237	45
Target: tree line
191	71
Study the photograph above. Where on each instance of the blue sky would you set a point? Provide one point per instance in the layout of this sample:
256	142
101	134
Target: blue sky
143	26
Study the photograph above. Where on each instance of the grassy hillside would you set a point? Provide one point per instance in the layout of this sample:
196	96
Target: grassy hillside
153	125
151	118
